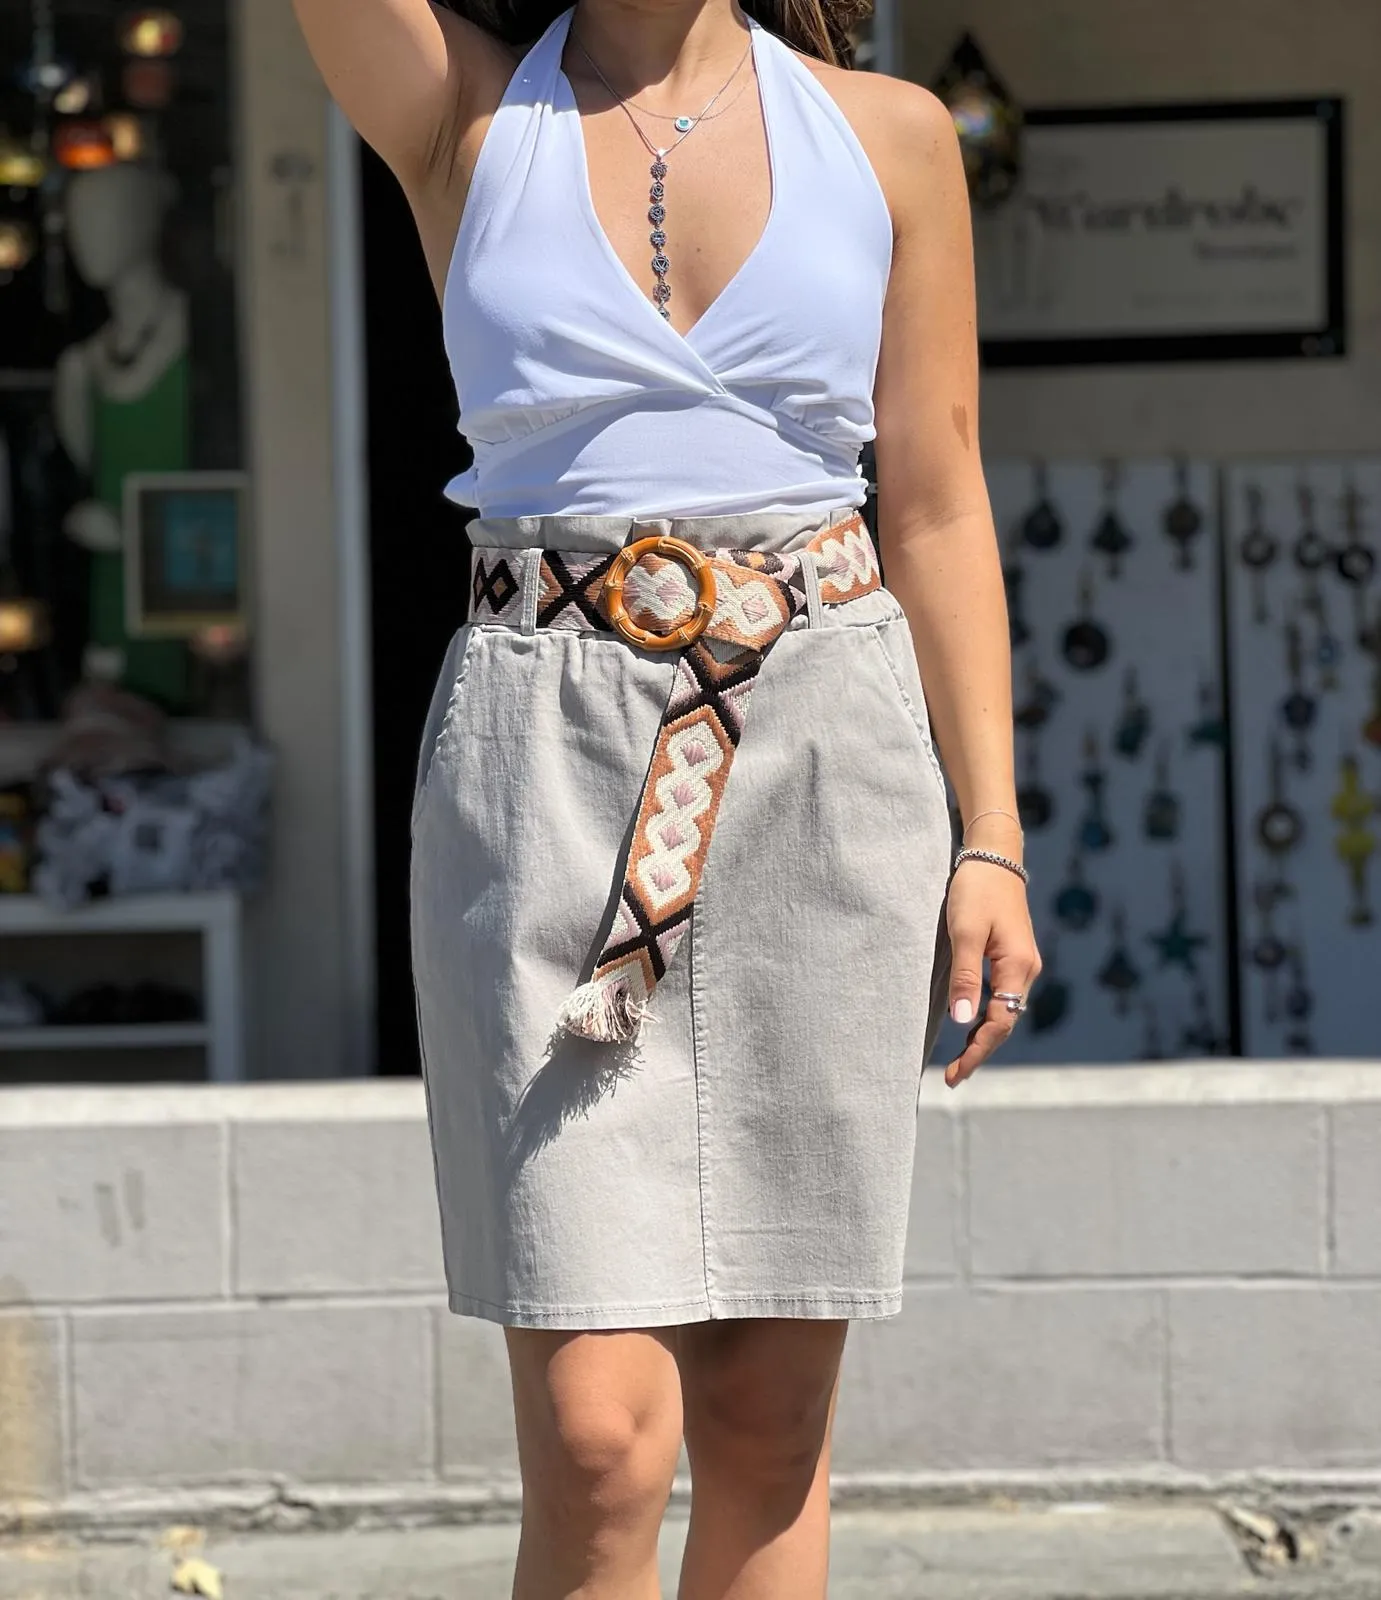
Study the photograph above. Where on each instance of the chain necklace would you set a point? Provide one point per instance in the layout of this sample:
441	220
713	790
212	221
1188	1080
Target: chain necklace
670	116
657	213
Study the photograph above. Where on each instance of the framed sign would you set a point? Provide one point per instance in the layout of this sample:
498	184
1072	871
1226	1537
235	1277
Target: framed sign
186	547
1169	233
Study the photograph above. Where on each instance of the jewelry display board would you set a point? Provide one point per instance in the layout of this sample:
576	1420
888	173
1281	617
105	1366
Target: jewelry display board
1113	580
1304	620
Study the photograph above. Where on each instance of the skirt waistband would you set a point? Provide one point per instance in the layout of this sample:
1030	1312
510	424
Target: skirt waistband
541	587
777	531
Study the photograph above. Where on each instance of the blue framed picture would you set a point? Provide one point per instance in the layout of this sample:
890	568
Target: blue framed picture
186	550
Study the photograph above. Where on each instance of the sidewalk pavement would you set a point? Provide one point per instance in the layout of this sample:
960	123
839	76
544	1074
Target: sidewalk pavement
1035	1553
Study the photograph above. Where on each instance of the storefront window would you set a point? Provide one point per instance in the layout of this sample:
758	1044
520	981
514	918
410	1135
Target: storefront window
117	358
133	797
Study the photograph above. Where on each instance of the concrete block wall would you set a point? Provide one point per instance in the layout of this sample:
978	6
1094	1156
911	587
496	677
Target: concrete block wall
1133	1275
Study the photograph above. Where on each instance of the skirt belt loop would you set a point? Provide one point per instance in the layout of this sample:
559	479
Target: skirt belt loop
532	587
815	607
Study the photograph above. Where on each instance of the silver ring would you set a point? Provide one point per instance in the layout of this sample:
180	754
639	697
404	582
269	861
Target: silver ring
1015	1003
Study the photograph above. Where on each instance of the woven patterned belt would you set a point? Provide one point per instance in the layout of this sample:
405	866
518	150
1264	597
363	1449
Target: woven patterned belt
722	612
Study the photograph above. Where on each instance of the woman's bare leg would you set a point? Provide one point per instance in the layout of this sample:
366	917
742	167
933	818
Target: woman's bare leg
759	1406
599	1435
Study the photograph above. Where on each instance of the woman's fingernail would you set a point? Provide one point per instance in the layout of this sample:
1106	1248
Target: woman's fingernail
963	1012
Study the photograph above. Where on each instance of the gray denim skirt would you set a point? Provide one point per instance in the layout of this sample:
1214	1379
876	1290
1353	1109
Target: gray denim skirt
750	1155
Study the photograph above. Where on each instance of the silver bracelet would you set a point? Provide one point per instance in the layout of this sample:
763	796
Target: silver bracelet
993	860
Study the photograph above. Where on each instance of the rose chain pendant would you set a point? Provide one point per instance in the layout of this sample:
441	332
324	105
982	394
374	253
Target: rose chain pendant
657	215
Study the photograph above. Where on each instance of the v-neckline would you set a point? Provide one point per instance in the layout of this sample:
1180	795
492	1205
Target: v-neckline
586	194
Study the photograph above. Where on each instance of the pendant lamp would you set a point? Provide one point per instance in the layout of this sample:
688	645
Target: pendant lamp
20	166
127	135
988	121
153	34
76	97
83	145
17	245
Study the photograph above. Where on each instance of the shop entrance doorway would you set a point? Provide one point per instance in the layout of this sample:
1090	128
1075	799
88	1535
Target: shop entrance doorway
419	561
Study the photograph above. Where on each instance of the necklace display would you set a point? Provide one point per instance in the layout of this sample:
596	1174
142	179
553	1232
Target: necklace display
657	213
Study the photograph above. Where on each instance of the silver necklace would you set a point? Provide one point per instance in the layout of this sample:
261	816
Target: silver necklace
657	211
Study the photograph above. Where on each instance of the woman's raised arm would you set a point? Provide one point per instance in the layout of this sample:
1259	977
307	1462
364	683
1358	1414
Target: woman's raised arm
401	70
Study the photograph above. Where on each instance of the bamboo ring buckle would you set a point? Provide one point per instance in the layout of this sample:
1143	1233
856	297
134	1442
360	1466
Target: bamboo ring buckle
696	563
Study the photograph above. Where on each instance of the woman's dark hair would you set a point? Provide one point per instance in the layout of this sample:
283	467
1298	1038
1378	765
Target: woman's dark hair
821	28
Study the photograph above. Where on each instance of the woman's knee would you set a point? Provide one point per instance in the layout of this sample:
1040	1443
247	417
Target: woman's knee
598	1436
759	1399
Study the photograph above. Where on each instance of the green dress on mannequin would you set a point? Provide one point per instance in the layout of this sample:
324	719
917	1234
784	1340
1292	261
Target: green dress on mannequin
122	404
150	432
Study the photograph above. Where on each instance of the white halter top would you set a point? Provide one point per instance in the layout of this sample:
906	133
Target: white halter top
578	397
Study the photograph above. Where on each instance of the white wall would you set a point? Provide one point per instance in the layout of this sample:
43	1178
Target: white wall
265	1259
1072	52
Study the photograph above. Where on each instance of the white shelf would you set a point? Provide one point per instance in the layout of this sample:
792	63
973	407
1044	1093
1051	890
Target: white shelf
117	1036
214	915
134	913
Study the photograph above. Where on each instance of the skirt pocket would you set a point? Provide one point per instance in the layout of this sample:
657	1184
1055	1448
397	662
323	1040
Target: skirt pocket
441	713
899	652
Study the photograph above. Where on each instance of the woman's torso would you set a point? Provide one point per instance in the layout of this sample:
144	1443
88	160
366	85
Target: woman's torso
578	397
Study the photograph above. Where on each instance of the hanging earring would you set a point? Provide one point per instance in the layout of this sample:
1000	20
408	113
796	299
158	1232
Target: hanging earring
1111	536
1160	817
1183	521
1051	998
1200	1038
1085	646
1209	727
1175	944
1035	803
1095	831
1135	722
1118	974
1311	551
1299	1003
1075	904
1356	560
1258	551
1298	709
1268	953
1328	649
1041	699
1041	527
1268	950
1355	843
1279	827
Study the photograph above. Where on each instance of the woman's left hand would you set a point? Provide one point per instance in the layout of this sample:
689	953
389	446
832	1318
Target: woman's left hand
988	919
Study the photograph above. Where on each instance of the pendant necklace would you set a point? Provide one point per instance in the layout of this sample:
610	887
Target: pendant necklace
1111	536
1095	831
1160	818
1052	996
1182	519
1298	710
657	214
1135	722
1258	551
1041	699
1041	526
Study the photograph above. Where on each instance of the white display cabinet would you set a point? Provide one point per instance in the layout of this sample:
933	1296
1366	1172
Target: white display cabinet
213	917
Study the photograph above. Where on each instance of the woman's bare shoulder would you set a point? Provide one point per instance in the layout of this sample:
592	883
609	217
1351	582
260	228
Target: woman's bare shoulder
906	132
